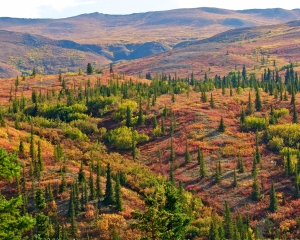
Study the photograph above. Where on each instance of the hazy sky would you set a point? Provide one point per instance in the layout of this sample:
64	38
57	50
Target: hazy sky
67	8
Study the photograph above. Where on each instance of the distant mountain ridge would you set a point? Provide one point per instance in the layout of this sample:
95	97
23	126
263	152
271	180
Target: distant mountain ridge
255	47
113	38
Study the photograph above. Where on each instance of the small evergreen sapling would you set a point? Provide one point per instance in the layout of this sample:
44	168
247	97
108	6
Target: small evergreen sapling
222	126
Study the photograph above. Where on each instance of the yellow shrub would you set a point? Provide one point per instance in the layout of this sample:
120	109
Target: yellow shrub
111	220
3	133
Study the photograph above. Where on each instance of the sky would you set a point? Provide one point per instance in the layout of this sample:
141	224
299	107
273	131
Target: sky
68	8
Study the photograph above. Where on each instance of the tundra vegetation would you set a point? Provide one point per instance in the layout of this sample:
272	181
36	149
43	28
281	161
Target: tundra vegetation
116	157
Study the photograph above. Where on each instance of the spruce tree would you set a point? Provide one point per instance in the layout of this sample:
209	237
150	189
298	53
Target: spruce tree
77	203
223	89
221	231
109	195
267	136
220	167
201	163
71	200
21	149
33	72
218	174
153	101
172	152
81	174
212	101
159	154
50	196
187	155
295	114
32	150
242	118
118	194
241	165
228	222
42	226
213	229
165	111
254	167
128	117
255	195
249	109
235	183
285	96
172	175
63	184
89	69
140	120
222	126
73	216
37	171
273	199
240	224
99	192
236	234
199	155
257	151
84	195
258	104
92	186
293	98
40	201
40	159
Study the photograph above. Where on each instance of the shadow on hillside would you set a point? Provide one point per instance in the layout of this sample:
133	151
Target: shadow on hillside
214	133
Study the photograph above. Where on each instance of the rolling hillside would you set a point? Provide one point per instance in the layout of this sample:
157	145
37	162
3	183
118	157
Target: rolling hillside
255	47
101	38
20	52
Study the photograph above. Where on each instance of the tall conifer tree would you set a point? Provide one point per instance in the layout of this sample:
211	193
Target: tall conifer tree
109	195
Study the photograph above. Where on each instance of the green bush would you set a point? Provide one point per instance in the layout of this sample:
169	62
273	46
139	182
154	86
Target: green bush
282	112
74	133
253	123
121	137
85	126
290	132
120	113
285	150
156	132
77	116
43	122
59	111
276	144
239	90
100	105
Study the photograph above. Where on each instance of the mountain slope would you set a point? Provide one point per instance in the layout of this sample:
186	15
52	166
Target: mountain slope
70	43
255	47
20	52
169	27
